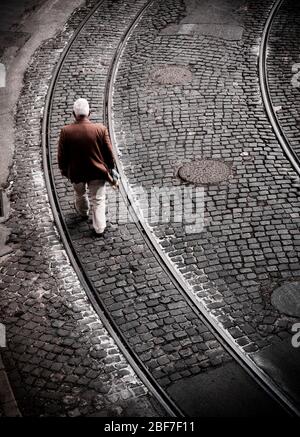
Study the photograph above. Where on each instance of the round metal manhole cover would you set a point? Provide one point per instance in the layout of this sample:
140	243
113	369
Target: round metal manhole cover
172	75
286	299
205	171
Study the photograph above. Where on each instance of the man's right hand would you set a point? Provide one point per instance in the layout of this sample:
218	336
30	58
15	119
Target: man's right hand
115	184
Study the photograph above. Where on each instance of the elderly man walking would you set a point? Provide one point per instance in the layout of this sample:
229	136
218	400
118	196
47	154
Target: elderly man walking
86	158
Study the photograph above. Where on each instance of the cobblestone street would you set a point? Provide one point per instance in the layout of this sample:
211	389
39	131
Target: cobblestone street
185	88
250	242
60	359
140	297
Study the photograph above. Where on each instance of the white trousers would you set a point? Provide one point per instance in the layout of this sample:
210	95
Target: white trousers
97	196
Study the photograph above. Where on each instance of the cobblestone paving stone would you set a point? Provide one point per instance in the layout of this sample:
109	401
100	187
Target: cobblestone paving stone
60	359
284	68
250	243
153	316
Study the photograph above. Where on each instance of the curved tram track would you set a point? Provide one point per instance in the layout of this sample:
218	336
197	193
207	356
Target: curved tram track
265	91
258	377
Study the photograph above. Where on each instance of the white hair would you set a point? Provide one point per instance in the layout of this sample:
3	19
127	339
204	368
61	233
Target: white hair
81	108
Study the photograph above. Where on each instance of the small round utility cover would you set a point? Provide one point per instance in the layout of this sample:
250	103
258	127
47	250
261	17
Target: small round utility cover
172	75
286	298
205	171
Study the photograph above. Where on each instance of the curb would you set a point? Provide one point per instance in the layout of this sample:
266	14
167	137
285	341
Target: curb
8	404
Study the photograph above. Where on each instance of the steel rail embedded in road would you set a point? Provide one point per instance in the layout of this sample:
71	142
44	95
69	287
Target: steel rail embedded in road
257	374
265	91
140	369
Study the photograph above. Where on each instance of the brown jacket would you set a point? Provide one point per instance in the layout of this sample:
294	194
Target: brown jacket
85	152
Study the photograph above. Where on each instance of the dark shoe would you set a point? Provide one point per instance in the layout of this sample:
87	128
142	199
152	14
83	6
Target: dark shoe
84	216
98	234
